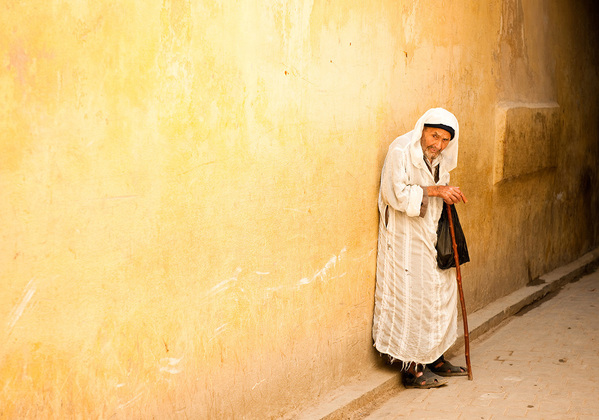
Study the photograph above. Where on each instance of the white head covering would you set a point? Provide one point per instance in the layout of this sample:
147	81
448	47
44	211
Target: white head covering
449	156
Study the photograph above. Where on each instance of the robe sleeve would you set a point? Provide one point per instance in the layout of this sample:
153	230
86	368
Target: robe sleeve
395	188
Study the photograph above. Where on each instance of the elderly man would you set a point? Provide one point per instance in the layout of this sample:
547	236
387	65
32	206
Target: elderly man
415	315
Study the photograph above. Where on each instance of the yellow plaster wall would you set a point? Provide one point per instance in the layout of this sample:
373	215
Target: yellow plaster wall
188	189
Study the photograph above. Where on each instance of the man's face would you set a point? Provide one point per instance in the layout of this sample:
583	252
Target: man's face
434	141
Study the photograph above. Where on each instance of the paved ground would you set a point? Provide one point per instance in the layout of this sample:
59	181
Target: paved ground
543	364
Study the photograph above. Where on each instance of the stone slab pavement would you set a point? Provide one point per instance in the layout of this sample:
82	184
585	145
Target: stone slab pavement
542	363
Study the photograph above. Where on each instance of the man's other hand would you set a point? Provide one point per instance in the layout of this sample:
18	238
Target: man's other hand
449	194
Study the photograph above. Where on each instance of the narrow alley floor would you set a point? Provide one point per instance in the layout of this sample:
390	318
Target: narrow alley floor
540	364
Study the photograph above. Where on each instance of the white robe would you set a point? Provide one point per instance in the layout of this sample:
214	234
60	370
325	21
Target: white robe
415	316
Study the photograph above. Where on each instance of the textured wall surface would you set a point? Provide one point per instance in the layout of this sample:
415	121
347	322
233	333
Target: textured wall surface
188	188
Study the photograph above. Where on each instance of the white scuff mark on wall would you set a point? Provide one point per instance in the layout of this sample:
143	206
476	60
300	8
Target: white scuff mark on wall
20	308
271	290
258	383
324	271
262	273
305	280
131	401
171	365
368	254
223	285
274	289
373	250
329	265
218	331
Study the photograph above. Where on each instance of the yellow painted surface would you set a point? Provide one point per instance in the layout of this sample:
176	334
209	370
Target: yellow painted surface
188	189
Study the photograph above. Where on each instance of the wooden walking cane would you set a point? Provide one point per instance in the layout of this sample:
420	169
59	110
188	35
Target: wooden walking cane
461	291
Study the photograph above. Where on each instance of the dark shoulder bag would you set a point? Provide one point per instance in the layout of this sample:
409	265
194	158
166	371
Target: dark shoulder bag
445	257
